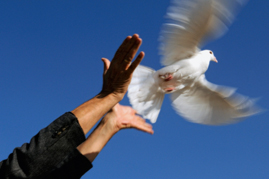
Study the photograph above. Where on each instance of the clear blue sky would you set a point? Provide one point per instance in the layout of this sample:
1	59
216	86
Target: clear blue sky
50	63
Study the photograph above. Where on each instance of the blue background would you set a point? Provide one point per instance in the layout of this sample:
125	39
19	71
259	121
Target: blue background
50	61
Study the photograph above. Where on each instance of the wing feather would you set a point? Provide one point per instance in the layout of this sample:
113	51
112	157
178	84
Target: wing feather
193	22
144	95
211	104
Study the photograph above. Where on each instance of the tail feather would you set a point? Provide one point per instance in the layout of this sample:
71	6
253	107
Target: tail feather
144	95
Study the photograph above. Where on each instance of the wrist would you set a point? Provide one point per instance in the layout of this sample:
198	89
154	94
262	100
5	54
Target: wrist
92	110
109	125
96	141
117	97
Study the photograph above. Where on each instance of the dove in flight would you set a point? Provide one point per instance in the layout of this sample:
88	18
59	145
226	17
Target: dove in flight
192	23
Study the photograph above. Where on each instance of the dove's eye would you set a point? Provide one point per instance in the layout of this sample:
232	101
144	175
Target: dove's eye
211	52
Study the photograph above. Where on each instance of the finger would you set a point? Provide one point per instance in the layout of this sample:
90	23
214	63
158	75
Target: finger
147	128
106	64
137	123
124	55
142	125
124	44
137	61
122	49
126	50
117	59
131	119
131	54
139	119
129	110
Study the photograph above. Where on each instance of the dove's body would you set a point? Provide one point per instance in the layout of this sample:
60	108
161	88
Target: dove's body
183	73
193	97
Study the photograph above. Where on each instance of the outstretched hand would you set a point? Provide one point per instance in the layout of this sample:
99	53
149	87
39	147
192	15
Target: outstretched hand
119	117
117	74
122	117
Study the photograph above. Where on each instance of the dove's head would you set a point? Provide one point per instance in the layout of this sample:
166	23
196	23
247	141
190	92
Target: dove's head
209	55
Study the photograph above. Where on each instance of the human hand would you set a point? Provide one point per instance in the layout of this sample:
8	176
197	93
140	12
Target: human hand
118	74
122	117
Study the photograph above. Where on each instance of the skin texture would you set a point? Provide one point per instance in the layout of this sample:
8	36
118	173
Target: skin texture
116	79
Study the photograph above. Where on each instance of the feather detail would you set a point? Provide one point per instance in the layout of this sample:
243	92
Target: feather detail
144	94
211	104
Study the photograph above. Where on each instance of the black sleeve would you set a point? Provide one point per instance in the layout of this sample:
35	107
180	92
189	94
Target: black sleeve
46	150
72	167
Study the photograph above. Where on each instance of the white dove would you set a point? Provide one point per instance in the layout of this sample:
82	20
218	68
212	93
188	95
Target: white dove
193	97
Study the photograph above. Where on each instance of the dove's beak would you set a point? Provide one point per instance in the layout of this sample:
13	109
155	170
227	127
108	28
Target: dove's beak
215	60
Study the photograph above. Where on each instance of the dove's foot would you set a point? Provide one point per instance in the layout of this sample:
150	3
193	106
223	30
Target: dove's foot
166	77
169	89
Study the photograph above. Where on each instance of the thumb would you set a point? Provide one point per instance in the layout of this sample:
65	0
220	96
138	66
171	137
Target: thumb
106	64
116	107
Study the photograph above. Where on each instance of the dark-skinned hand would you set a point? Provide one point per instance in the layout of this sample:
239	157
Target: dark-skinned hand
118	74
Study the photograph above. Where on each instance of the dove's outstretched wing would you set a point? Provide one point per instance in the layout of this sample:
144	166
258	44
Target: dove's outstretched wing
144	94
207	103
192	23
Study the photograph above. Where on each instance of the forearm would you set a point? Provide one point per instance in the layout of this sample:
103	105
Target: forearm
91	111
96	141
